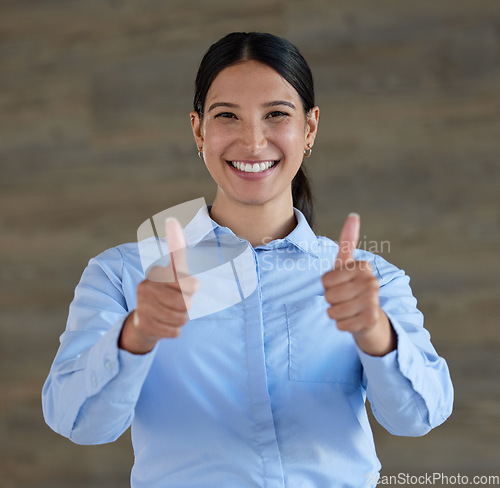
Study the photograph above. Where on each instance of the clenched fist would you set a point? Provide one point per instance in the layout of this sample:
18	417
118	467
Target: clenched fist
163	298
352	291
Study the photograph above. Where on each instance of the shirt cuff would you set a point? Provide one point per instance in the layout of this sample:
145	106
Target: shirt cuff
122	371
393	369
413	373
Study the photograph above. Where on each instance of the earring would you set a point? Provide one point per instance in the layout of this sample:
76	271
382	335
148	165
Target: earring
200	153
308	151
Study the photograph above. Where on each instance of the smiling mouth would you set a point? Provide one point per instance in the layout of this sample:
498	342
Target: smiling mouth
252	167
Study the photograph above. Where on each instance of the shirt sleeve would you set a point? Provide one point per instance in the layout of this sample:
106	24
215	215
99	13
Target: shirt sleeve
410	389
93	386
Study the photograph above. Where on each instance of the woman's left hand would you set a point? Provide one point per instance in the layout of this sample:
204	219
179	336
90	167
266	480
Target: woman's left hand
352	291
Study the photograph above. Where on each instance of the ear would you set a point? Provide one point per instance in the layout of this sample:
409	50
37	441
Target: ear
196	126
312	121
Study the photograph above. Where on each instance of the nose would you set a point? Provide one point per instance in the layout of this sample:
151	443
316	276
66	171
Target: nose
253	137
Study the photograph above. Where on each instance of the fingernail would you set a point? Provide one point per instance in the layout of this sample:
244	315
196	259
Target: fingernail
170	219
354	214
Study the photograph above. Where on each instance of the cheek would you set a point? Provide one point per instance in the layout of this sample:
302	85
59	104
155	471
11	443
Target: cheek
217	139
291	137
291	130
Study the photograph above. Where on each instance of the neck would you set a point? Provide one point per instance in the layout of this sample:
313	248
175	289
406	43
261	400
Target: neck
257	223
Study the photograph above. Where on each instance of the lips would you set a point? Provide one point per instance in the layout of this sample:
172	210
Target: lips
253	166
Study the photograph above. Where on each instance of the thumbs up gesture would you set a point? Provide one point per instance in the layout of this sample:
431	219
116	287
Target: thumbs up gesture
163	298
352	291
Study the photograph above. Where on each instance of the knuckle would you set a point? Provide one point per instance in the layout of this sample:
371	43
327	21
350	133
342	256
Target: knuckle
325	279
194	284
181	303
155	323
330	313
338	310
142	288
335	312
187	302
328	296
176	318
190	285
154	269
343	325
156	273
174	332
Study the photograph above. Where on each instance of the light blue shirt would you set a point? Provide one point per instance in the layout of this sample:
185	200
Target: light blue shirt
260	390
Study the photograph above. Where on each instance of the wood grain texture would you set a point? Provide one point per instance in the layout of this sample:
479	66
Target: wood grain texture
95	137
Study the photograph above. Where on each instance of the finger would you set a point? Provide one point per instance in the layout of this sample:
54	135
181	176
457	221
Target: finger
345	310
170	332
357	270
349	237
176	243
179	300
350	324
363	321
170	295
172	318
365	307
343	293
336	277
161	274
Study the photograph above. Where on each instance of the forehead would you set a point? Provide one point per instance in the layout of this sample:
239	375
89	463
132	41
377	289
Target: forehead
250	80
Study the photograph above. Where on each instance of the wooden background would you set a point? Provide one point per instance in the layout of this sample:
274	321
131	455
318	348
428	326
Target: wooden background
95	138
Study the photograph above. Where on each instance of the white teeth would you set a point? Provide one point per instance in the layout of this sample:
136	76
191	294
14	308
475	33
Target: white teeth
253	168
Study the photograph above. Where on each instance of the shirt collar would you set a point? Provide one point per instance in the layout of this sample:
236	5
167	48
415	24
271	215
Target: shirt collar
303	237
202	227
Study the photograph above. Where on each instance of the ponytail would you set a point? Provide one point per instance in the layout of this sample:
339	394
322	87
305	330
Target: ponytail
302	195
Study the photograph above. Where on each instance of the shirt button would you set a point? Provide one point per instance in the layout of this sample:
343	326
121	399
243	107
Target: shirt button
108	364
94	380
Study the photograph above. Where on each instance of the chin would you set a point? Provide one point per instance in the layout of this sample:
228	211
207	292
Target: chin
254	200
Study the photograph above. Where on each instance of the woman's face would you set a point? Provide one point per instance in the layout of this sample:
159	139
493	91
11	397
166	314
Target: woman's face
253	133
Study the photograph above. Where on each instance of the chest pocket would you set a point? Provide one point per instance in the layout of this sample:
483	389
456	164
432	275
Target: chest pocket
317	350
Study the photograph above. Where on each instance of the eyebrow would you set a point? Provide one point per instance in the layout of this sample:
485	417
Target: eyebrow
274	103
280	102
222	104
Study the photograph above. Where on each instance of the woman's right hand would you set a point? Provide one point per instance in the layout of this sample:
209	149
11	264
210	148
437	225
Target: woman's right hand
163	298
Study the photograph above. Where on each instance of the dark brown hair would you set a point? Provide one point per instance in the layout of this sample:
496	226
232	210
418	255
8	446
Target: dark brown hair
285	59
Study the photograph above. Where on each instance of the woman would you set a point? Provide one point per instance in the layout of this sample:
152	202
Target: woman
270	391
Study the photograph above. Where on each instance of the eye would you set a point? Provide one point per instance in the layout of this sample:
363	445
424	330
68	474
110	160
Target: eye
277	113
225	115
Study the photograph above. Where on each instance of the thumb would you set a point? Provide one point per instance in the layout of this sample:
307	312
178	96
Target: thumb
176	243
349	237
